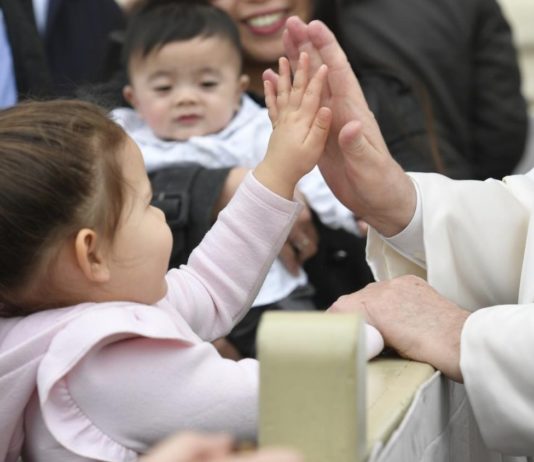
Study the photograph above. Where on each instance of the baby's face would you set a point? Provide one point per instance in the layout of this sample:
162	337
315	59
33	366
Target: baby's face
186	89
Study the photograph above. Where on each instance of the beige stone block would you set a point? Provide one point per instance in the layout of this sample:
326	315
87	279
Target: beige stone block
312	384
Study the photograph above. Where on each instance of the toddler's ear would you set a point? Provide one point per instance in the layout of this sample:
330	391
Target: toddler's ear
91	256
129	95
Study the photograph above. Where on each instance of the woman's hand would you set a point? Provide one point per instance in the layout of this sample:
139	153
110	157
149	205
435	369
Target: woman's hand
303	240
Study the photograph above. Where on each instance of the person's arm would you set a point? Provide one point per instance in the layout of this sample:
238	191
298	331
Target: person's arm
191	197
224	273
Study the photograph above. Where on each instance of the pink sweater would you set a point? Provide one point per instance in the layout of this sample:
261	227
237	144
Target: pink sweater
106	381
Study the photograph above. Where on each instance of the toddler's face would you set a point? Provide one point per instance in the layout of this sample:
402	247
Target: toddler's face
186	89
141	248
261	23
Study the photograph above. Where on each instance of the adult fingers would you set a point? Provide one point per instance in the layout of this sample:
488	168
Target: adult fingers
341	77
291	49
300	81
297	30
289	257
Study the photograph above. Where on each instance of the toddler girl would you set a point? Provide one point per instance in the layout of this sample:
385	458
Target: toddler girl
102	351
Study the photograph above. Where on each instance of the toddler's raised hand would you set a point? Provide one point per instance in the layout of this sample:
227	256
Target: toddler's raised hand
300	126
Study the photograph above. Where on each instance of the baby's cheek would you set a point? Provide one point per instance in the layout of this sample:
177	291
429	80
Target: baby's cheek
166	243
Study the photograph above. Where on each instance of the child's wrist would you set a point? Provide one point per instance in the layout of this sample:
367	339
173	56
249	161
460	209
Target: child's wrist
275	181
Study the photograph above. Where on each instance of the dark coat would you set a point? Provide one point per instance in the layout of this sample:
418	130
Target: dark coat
73	51
29	60
77	40
462	52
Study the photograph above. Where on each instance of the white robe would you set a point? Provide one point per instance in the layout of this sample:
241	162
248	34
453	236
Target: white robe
478	250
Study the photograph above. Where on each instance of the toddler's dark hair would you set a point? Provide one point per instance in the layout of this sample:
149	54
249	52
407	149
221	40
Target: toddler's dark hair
59	172
155	23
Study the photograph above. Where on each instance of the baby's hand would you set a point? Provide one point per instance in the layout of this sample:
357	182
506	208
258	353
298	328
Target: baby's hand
300	127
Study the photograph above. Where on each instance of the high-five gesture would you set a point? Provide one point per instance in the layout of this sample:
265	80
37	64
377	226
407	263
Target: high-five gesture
357	165
300	126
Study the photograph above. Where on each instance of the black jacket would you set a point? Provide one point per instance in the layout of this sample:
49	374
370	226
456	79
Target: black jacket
77	40
462	52
73	51
32	74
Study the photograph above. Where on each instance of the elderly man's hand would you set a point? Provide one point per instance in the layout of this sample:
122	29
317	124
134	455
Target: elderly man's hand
413	318
303	240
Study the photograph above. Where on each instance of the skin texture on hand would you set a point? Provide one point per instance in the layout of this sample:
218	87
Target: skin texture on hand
357	164
413	318
197	447
303	240
300	127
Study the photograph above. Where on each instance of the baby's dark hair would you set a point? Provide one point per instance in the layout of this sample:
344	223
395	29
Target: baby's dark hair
155	23
59	173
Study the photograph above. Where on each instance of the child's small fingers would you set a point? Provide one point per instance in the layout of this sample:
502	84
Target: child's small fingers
300	81
284	82
271	76
312	96
320	128
270	100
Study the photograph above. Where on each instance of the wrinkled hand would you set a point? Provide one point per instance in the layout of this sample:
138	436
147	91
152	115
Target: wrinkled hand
357	165
302	242
413	318
197	447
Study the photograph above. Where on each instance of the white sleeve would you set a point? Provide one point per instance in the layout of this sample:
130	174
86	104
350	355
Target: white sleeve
401	254
476	240
497	363
409	242
154	388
